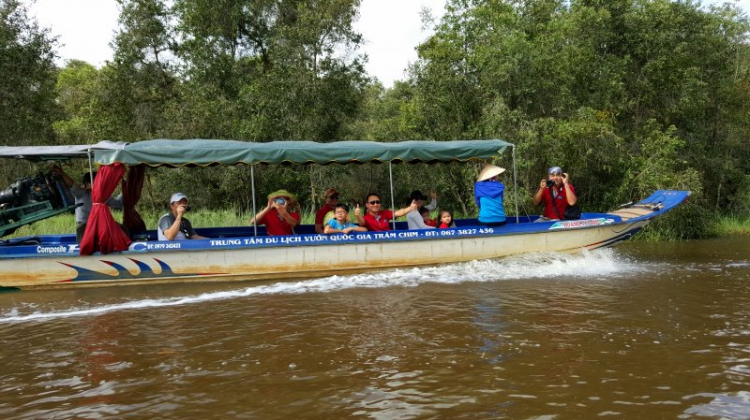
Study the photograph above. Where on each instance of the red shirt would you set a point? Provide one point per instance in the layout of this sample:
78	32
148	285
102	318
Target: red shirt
275	225
379	223
443	226
561	202
430	222
321	214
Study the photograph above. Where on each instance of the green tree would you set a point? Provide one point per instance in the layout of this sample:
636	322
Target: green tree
27	94
649	89
77	90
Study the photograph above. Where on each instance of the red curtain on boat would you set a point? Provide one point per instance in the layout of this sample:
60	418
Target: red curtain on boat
103	234
131	193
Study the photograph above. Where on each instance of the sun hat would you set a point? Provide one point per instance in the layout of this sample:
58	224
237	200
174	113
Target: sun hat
282	193
177	197
330	192
489	171
554	170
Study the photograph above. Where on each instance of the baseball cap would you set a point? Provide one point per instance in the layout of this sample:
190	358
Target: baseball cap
177	197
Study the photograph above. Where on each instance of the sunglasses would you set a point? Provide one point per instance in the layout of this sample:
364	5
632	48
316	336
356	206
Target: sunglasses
334	196
373	202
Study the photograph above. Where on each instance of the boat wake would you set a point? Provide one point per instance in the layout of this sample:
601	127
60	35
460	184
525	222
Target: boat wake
604	264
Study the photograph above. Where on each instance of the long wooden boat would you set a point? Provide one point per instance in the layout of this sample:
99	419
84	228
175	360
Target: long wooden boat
247	253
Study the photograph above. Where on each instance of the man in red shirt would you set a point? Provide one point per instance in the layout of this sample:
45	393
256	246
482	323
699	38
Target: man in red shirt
281	214
376	219
331	200
557	197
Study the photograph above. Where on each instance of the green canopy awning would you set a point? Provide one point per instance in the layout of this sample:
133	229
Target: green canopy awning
230	152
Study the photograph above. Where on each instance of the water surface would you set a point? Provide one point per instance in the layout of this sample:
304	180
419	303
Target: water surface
642	331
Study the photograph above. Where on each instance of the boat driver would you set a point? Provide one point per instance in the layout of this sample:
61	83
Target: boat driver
173	226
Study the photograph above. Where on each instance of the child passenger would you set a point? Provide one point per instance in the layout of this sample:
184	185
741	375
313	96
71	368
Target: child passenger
446	220
429	221
340	222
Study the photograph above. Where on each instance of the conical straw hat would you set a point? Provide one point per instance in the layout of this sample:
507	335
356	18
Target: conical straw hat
489	171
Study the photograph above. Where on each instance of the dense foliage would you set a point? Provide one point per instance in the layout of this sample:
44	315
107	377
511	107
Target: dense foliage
626	95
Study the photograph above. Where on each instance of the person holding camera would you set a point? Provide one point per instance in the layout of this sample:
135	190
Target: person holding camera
173	226
281	214
556	193
488	195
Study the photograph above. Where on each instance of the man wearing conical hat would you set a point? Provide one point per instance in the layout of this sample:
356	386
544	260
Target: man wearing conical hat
281	214
488	194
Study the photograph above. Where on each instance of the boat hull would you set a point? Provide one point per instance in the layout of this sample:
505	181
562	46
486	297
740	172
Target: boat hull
305	256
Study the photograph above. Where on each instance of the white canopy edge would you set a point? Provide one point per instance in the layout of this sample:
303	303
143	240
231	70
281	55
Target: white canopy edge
40	153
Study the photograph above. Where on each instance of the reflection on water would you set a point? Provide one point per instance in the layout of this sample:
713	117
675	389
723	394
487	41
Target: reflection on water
647	330
733	406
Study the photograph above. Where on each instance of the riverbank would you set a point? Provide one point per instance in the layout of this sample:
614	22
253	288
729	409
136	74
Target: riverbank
730	226
718	226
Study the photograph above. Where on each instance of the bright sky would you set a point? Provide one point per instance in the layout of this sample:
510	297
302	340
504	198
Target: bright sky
392	29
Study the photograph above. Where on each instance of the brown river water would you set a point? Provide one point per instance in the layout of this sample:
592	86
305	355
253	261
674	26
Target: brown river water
642	331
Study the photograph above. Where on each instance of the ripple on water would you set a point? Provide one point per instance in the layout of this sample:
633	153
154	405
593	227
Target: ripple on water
732	406
535	337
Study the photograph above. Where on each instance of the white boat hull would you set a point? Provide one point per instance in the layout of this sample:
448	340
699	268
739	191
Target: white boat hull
299	260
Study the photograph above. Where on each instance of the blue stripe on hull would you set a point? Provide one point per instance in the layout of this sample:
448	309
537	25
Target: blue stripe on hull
84	274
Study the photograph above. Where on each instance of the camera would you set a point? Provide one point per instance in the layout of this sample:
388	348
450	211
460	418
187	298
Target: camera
550	183
280	201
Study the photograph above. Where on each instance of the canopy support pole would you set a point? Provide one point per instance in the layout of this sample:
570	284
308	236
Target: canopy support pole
515	180
91	168
252	183
393	203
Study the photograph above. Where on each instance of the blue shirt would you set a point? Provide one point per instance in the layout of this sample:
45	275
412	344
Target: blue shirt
491	210
336	225
489	198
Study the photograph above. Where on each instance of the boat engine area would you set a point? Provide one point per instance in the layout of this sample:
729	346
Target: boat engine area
32	198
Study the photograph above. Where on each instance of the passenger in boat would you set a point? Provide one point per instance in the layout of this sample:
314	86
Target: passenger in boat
82	195
556	193
173	226
340	222
414	220
446	220
427	217
281	215
376	219
331	200
488	195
